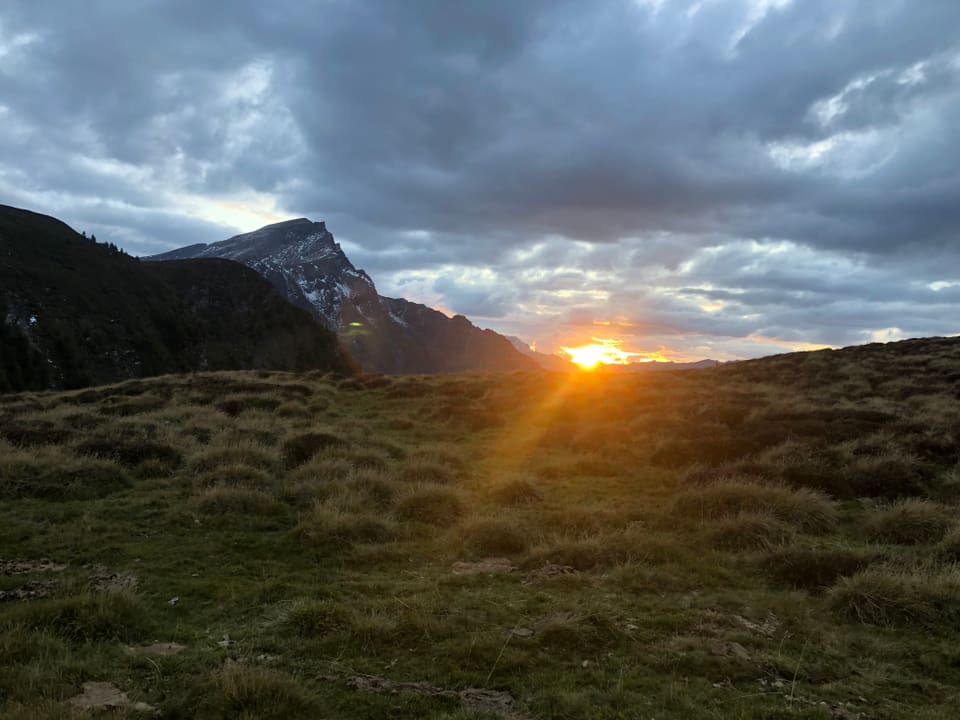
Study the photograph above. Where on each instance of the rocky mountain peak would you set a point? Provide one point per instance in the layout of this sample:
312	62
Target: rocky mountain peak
304	262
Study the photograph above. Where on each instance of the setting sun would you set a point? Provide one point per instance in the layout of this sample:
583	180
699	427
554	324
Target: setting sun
601	351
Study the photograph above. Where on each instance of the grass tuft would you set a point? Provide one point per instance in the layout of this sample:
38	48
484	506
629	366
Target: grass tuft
438	506
516	491
227	501
422	470
236	476
909	522
889	596
58	476
300	448
803	508
813	569
236	692
87	617
248	455
132	452
749	531
494	537
949	547
329	526
315	618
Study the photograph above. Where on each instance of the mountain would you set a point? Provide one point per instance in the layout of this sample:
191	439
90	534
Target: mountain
670	365
304	262
74	312
554	363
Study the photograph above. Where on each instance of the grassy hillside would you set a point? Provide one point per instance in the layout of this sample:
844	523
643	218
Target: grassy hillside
769	539
74	312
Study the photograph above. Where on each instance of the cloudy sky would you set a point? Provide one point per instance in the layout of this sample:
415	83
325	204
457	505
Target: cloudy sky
698	178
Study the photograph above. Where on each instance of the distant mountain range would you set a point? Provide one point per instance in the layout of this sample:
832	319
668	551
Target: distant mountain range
391	335
74	312
658	366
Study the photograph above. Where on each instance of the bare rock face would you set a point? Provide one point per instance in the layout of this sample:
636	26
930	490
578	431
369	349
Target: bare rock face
304	262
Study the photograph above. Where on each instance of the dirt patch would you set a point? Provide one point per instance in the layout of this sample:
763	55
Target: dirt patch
102	579
22	567
498	702
106	696
29	591
487	566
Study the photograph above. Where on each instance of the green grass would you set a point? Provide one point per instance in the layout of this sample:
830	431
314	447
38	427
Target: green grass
770	539
909	522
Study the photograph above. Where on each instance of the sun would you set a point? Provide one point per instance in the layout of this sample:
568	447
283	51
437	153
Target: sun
602	351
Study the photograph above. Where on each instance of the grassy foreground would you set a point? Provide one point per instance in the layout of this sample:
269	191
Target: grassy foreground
771	539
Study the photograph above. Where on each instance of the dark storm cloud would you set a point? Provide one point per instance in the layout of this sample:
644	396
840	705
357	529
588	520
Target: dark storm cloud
618	142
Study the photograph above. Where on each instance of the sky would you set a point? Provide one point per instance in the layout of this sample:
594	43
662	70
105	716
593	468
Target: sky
688	178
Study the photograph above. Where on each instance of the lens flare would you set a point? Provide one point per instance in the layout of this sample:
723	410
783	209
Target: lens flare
602	351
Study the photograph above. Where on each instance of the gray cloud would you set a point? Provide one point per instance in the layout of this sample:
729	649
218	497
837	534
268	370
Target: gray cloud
594	160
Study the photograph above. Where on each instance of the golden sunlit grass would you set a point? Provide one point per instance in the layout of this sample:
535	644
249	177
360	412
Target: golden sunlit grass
773	538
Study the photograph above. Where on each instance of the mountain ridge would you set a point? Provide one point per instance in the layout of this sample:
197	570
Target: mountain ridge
303	261
74	312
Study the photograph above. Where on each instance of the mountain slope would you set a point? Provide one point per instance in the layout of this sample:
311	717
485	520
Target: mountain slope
74	312
554	363
304	262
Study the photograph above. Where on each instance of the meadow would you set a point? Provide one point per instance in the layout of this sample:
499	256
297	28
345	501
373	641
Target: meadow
767	539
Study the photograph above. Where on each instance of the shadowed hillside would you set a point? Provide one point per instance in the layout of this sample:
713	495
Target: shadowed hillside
74	312
768	539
